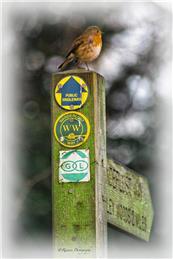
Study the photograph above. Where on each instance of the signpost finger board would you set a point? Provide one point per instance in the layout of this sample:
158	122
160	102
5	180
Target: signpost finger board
128	200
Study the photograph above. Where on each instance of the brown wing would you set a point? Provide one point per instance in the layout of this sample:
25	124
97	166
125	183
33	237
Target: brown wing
76	43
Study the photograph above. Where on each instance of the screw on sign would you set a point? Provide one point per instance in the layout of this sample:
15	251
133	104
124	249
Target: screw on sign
71	129
71	93
74	166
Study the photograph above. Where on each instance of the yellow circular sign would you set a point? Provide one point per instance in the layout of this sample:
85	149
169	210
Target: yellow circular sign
71	92
71	129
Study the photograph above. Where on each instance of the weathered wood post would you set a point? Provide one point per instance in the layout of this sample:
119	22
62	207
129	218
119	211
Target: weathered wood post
78	164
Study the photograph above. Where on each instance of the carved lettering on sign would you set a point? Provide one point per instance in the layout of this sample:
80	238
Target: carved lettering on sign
128	215
128	200
124	183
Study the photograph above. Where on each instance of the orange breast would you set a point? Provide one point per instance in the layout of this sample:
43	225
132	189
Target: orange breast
87	52
97	39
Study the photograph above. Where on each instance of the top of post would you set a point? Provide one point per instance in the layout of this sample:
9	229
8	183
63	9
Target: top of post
76	71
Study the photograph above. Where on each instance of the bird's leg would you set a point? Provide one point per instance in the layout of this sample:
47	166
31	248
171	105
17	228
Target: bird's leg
87	66
78	63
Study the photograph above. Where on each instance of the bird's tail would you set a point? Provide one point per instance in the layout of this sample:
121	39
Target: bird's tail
68	60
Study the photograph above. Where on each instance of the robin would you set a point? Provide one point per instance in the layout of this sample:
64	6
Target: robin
85	48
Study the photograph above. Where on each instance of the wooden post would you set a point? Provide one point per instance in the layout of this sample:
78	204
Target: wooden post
78	140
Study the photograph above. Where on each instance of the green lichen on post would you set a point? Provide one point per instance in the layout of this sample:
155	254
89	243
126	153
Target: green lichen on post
128	201
77	229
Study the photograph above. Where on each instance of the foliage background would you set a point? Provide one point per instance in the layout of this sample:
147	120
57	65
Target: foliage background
134	61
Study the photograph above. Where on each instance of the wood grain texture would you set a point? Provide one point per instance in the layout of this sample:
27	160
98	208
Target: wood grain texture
79	218
128	200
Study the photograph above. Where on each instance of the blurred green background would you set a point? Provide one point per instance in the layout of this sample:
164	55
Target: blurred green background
135	50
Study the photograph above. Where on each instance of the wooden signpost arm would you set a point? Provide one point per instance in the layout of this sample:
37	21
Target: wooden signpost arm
128	200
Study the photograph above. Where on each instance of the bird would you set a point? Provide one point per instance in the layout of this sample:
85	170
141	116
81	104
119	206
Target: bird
85	48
